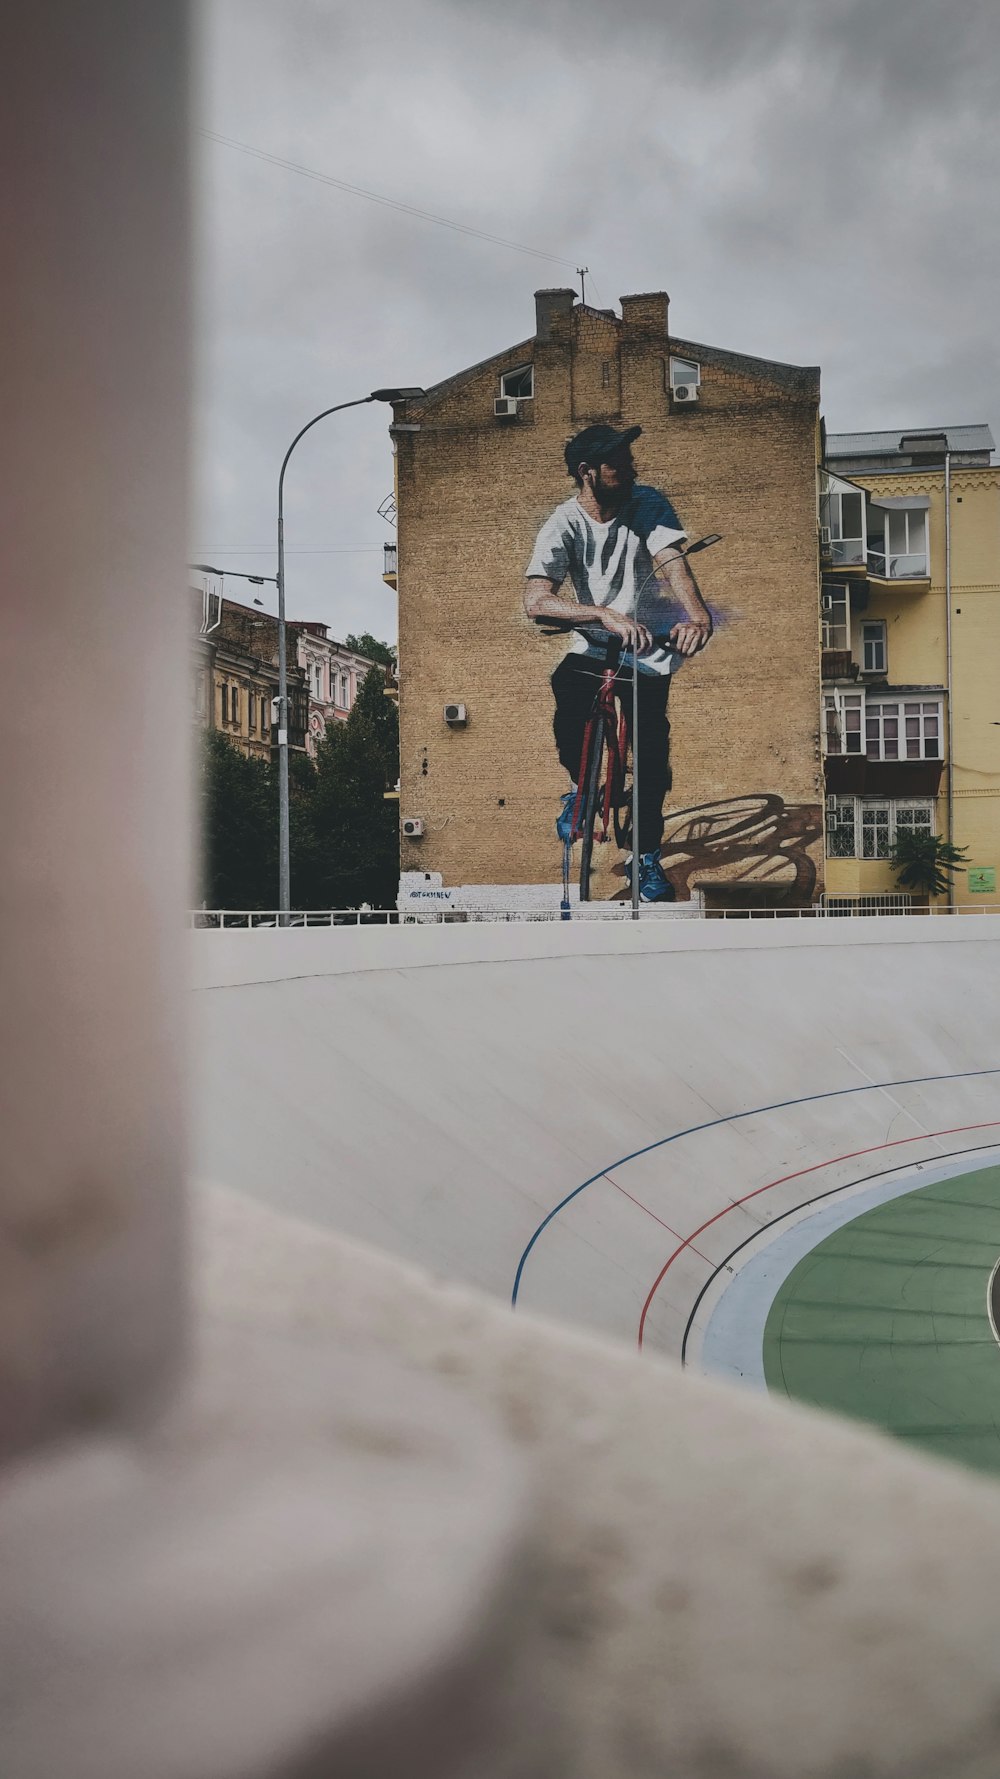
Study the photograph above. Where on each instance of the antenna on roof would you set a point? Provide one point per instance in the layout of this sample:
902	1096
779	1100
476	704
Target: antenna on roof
581	272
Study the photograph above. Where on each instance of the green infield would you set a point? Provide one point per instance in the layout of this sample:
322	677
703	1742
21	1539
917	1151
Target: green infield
887	1320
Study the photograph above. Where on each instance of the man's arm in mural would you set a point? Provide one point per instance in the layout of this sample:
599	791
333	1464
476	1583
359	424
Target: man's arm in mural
542	599
674	575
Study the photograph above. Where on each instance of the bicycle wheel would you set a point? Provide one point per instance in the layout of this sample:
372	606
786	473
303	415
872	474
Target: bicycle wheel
591	799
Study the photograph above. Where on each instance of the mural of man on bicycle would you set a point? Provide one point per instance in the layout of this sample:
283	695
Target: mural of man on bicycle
623	550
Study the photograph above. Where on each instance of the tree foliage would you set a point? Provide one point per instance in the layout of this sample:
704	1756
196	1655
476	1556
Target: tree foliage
239	860
356	829
343	832
925	863
369	645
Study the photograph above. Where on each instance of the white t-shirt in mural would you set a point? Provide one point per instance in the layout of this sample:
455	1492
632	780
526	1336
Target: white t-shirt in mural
612	564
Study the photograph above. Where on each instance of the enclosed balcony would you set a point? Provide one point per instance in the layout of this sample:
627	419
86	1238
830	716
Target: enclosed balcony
897	538
843	534
389	564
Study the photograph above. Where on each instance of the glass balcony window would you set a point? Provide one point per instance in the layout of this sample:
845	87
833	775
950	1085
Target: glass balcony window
842	518
898	541
842	725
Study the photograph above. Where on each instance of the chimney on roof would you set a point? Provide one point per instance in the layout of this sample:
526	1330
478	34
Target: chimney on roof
549	304
646	314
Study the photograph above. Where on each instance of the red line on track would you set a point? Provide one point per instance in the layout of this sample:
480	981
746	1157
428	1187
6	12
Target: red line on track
656	1219
831	1161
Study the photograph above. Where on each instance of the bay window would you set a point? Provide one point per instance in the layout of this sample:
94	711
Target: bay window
842	722
897	536
903	729
843	532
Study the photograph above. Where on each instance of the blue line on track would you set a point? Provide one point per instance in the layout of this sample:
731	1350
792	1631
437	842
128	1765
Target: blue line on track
730	1118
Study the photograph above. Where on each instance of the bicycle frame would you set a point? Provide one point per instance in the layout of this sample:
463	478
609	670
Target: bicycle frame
606	722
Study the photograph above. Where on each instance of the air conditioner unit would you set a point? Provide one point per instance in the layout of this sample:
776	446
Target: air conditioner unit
685	392
456	715
413	828
824	536
831	805
505	407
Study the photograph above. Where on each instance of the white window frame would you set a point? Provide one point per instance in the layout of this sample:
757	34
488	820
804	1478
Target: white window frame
344	690
873	816
521	370
835	612
879	642
921	710
833	491
317	671
844	823
836	705
916	560
684	371
849	814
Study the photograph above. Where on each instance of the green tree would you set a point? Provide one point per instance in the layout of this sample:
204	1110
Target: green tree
356	828
369	645
303	839
239	862
925	863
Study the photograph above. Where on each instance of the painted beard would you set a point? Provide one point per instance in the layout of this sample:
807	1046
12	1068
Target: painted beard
616	496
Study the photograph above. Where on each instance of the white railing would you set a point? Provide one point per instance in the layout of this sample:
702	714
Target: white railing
844	552
898	567
217	919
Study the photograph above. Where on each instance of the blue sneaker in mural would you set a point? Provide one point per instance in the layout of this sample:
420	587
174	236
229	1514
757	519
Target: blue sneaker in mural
564	820
654	884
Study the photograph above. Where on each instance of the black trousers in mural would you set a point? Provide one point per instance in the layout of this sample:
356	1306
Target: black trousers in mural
574	686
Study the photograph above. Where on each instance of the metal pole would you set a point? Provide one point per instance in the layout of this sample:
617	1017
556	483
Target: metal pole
284	852
949	778
635	784
284	849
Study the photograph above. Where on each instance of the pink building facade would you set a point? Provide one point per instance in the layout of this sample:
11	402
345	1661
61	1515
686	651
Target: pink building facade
334	675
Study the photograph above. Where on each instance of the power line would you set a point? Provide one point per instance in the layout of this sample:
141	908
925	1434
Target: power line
374	197
340	550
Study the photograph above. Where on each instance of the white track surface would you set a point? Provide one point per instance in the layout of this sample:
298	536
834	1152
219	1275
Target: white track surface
438	1091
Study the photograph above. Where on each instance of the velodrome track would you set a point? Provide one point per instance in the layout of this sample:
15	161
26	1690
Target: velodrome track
643	1129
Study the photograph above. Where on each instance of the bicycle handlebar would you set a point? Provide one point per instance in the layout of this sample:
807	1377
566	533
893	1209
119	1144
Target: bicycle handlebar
593	632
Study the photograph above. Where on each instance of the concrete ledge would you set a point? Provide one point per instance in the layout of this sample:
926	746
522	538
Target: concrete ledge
229	957
728	1588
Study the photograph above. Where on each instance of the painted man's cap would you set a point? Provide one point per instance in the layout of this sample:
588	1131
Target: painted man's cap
595	444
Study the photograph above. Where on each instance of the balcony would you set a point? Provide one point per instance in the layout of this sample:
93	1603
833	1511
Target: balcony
900	567
389	564
838	664
842	552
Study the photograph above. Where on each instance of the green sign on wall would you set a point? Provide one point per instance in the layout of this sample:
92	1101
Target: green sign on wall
982	880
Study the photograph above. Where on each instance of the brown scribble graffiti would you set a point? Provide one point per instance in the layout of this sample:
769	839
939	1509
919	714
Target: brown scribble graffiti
768	837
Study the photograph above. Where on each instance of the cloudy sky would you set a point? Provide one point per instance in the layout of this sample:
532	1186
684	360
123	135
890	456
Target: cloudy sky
811	180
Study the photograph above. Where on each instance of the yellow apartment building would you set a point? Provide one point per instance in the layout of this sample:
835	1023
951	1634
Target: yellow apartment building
910	603
235	672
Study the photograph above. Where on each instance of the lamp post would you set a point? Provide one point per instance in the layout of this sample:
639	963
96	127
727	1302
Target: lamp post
235	574
284	855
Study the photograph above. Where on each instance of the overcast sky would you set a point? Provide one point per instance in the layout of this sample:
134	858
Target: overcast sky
811	180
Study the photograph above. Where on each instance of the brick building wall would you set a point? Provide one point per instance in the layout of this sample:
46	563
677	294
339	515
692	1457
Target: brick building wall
472	491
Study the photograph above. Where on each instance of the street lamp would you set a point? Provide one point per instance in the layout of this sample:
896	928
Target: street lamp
284	855
235	574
